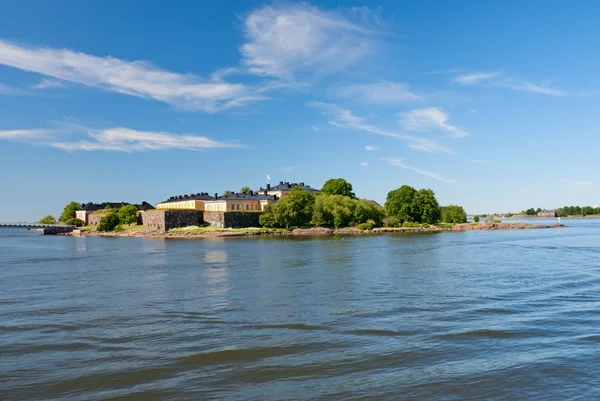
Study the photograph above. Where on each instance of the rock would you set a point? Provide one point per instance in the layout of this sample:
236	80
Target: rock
312	231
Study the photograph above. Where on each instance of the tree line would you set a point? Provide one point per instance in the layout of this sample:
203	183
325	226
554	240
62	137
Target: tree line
337	206
577	211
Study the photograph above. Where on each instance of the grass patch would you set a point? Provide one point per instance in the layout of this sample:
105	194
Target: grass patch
135	227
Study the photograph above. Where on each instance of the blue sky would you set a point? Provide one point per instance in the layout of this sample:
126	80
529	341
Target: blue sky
493	105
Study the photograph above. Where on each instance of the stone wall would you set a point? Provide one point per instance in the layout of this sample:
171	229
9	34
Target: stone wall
94	218
167	219
241	219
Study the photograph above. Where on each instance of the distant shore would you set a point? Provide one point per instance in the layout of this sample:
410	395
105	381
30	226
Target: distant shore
318	231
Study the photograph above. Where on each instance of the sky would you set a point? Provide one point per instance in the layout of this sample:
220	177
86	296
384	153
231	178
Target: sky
493	105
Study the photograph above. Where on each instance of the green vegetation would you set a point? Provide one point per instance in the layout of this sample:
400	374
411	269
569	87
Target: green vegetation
344	211
128	214
109	222
391	222
75	222
69	211
454	214
337	186
369	225
227	192
476	219
578	211
245	190
48	219
294	210
409	205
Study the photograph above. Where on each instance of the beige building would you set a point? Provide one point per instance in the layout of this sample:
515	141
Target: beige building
284	189
234	202
90	208
186	202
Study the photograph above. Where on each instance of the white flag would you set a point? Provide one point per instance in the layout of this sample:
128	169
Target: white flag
268	177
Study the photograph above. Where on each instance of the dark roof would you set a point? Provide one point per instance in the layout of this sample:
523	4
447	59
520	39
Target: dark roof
286	186
180	198
252	196
91	207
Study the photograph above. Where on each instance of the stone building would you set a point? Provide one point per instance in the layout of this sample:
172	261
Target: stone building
238	202
547	213
284	188
89	208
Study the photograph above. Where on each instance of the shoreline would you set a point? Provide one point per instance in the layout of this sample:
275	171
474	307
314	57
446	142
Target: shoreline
317	231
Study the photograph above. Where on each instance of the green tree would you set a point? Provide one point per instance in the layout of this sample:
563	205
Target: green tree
109	222
128	214
587	210
293	210
227	193
75	222
337	186
530	212
48	219
366	210
402	204
454	214
476	219
245	190
69	211
429	208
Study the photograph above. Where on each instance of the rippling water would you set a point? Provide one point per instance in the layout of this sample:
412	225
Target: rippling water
507	315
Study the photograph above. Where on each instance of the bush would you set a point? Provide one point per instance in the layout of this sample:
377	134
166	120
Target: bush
391	221
70	211
48	219
476	219
369	225
496	221
410	224
109	222
425	225
128	214
118	229
75	222
454	214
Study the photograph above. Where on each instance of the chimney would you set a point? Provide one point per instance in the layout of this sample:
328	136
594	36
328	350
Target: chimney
251	193
268	187
216	195
266	192
280	182
301	184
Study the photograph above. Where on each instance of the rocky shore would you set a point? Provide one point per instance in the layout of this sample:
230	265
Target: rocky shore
318	231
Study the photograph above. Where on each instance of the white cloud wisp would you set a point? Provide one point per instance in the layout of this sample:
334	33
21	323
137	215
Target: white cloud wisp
341	117
430	118
135	78
501	80
378	93
400	163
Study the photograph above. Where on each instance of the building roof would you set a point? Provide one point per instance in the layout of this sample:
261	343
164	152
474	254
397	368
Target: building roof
286	186
251	196
203	196
92	207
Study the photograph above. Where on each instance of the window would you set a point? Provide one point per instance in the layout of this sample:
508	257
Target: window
246	206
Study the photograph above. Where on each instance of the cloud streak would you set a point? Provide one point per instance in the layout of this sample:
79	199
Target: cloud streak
113	139
378	93
48	83
371	148
499	79
430	118
134	78
400	163
340	117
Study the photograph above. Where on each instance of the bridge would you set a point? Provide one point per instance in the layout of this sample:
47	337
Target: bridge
46	229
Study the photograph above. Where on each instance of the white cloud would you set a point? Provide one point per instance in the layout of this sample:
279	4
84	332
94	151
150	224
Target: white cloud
479	161
7	90
135	78
48	83
284	41
341	117
364	164
114	139
400	163
502	80
430	118
473	78
371	148
378	93
315	128
288	168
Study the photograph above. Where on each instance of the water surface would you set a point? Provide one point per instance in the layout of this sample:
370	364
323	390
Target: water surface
505	315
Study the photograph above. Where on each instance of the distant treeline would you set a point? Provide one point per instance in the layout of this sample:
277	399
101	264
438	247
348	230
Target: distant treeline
577	211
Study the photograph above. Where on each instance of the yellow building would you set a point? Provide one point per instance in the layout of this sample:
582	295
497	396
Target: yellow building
186	202
234	202
284	189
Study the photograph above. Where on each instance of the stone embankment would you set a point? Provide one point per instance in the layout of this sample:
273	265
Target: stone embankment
318	231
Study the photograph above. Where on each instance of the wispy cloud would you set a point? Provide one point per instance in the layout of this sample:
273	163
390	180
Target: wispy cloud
430	118
400	163
378	93
112	139
315	128
135	78
371	148
478	161
48	83
288	40
287	168
340	117
8	90
472	78
503	80
364	164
